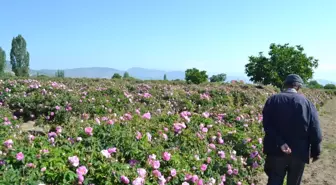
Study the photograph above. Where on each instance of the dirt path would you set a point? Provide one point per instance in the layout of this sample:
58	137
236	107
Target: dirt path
322	172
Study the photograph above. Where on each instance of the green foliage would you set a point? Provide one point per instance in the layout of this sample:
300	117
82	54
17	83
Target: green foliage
59	74
42	76
330	86
2	61
195	76
218	78
283	60
165	77
116	76
126	75
314	85
7	74
197	125
19	57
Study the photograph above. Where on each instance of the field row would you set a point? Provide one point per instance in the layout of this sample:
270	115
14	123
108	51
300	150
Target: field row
124	132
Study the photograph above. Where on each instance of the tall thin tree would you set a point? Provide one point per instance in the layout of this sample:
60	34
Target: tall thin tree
19	57
59	74
2	61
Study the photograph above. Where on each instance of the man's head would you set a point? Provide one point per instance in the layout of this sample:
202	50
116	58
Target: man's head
293	81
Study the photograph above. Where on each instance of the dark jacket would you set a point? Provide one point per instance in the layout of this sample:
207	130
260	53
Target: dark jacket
290	118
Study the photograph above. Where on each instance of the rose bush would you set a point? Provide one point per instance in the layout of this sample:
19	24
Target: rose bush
126	132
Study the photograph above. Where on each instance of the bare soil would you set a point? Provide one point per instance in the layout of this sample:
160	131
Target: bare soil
323	171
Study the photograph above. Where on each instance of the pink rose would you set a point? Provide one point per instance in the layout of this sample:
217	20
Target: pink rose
146	116
206	114
8	143
203	167
80	179
200	182
212	146
19	156
208	160
138	135
110	122
156	164
166	156
156	173
141	172
112	150
173	172
138	181
82	170
194	178
88	131
124	180
74	161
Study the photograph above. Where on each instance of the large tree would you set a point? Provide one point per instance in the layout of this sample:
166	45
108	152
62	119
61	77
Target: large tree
19	57
195	76
283	60
2	61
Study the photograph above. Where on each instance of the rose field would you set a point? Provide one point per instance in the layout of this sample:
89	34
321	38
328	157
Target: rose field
96	131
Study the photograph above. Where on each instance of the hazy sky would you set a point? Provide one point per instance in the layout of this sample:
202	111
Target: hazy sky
216	35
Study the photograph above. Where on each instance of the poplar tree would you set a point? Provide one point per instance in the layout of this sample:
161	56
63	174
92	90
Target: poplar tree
19	57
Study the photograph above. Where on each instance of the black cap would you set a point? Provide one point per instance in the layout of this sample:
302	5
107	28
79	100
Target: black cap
292	78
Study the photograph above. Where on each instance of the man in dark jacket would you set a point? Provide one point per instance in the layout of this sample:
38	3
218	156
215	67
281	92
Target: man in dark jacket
292	134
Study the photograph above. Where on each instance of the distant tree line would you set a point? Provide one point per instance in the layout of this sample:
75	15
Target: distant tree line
315	85
282	61
125	76
196	76
330	86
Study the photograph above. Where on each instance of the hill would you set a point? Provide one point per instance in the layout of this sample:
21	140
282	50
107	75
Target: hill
137	72
93	72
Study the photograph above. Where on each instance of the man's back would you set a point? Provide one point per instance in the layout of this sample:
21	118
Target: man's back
289	118
292	133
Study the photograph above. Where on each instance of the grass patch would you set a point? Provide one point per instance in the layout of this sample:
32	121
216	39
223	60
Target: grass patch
329	146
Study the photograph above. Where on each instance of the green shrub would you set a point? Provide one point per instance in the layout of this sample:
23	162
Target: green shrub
187	127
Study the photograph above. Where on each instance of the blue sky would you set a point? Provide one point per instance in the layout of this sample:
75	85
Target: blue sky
216	35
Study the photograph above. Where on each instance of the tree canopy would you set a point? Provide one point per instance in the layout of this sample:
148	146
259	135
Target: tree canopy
195	76
126	75
19	57
116	76
218	78
283	60
330	86
314	85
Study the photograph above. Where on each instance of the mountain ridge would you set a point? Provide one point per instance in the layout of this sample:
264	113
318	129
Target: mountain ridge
137	72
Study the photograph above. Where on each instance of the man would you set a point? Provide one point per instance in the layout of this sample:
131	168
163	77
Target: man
292	134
